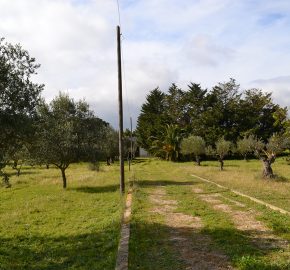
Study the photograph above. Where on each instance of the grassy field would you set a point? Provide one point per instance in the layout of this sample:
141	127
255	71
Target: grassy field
43	226
148	246
246	177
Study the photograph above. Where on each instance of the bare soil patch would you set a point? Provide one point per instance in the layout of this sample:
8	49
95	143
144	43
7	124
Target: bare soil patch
194	247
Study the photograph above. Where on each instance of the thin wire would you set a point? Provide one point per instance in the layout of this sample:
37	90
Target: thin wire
123	70
125	84
123	64
118	6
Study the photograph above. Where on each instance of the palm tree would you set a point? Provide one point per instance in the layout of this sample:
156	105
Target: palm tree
168	145
171	142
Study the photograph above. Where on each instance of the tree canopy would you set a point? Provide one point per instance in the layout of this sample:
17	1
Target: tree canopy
223	111
67	132
19	96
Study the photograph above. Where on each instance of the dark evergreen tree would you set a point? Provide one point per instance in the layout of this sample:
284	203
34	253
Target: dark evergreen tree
224	112
257	112
194	109
151	121
221	117
175	106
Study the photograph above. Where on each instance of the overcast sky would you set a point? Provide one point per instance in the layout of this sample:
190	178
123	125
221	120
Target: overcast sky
164	41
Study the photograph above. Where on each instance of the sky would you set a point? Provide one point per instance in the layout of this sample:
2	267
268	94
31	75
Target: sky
163	42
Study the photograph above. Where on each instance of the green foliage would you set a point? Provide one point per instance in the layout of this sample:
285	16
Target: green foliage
151	120
277	144
258	114
110	144
19	96
222	148
171	142
68	132
210	151
221	117
168	146
194	107
247	145
193	145
224	111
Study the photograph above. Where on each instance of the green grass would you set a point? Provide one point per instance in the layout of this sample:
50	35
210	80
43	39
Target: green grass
43	226
218	225
234	243
246	178
150	247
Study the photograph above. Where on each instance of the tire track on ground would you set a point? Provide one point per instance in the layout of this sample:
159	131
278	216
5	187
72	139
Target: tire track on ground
273	207
260	235
194	248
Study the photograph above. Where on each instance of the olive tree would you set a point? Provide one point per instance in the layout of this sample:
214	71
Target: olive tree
245	146
268	153
222	149
68	132
110	145
19	96
193	145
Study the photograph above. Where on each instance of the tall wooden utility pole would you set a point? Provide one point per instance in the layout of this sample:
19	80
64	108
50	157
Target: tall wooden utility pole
131	146
131	139
121	147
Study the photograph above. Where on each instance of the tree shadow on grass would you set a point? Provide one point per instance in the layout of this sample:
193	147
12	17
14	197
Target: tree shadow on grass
279	178
139	160
22	173
94	189
149	183
153	247
150	248
83	251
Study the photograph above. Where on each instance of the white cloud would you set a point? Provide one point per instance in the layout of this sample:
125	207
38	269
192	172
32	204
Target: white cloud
280	86
165	41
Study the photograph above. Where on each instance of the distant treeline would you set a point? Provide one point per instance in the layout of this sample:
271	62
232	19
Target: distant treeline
224	111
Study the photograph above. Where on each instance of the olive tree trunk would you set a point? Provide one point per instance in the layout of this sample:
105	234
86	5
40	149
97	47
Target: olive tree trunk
5	179
267	167
197	159
16	168
63	177
221	164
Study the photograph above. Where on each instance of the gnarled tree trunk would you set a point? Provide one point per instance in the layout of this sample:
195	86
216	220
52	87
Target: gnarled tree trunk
267	169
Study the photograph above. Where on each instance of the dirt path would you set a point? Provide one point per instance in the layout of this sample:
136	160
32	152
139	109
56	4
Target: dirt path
245	220
193	247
